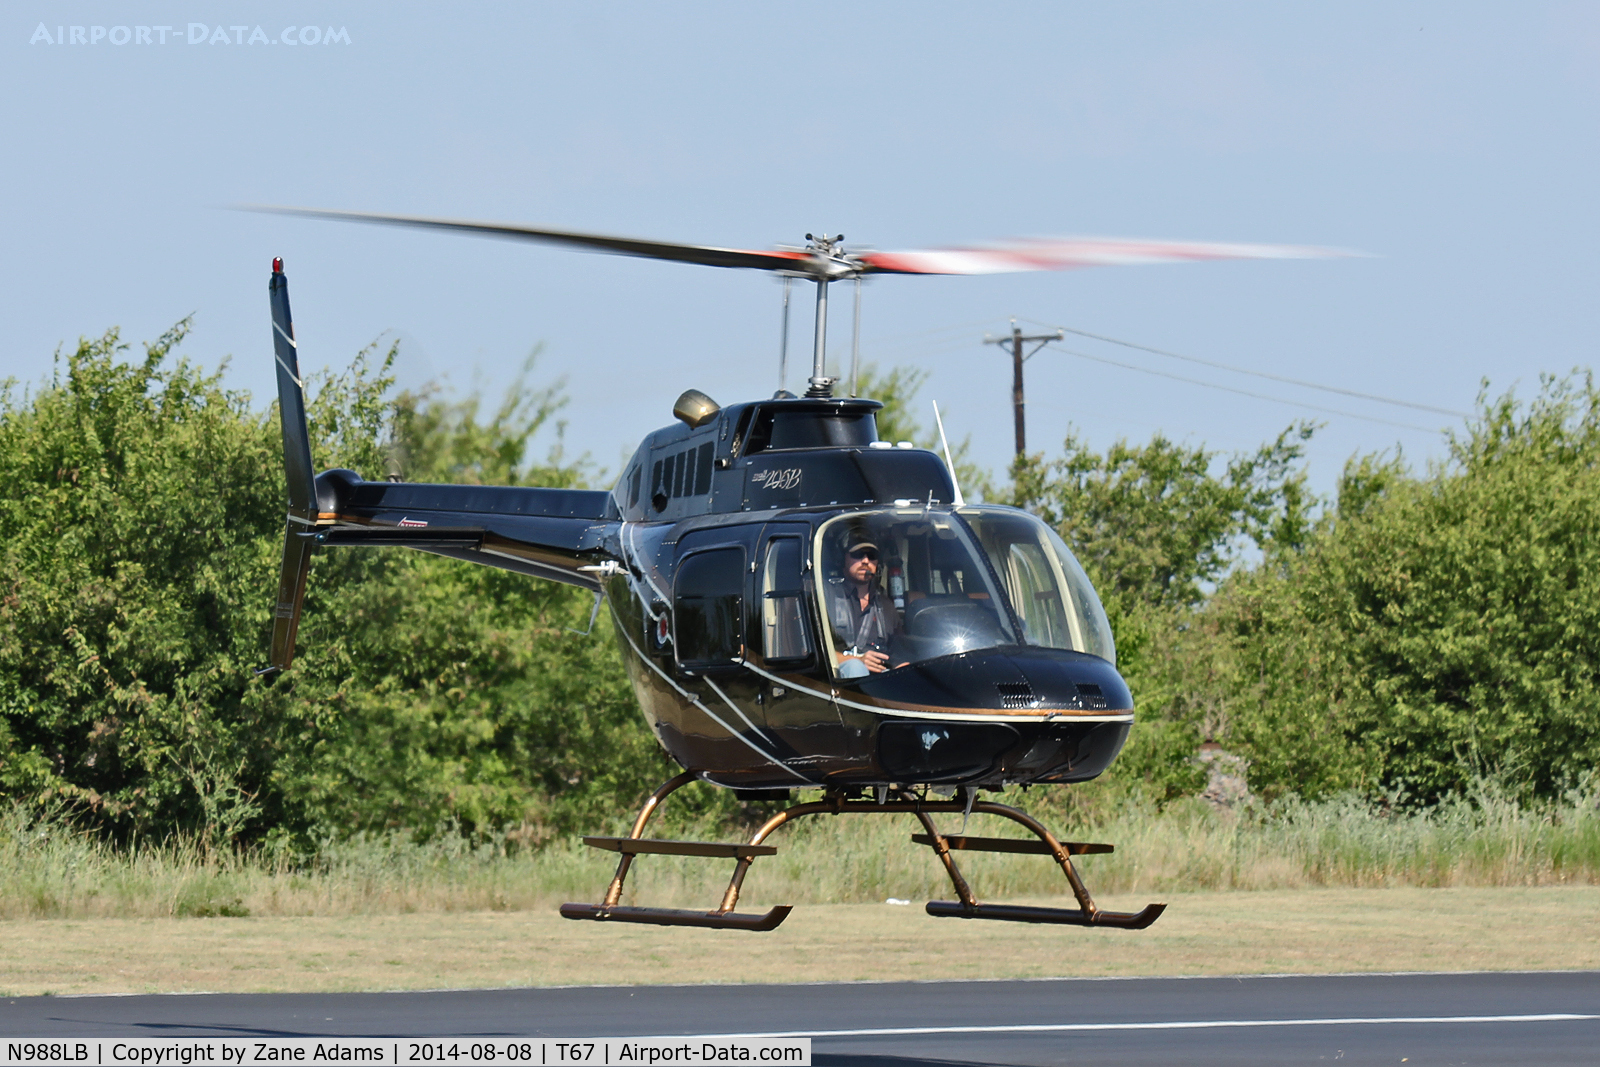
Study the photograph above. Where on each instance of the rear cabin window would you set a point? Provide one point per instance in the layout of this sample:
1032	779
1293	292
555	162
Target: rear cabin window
686	472
708	608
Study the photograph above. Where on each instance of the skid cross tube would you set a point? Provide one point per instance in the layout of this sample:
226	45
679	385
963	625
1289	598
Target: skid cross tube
1086	914
635	844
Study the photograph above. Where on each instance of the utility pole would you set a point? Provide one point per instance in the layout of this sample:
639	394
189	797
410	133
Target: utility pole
1016	339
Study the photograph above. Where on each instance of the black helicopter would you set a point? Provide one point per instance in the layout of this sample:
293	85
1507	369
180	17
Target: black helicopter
800	605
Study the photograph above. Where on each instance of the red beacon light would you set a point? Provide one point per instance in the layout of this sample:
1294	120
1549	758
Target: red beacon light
277	264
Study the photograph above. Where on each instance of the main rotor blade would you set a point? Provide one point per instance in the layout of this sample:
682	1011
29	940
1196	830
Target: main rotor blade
1027	254
624	246
1070	253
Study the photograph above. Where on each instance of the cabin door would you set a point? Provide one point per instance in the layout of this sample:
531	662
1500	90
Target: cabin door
795	697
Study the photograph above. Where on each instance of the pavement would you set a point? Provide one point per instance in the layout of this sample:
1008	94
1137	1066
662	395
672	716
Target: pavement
1546	1017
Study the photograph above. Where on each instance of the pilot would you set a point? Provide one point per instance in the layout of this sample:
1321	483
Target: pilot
862	616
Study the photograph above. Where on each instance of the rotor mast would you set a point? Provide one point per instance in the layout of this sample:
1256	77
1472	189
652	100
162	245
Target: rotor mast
821	384
827	262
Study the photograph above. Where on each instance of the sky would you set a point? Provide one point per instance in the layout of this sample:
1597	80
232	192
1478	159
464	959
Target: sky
1454	143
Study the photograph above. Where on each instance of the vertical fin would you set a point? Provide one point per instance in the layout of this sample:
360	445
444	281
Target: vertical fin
291	403
298	547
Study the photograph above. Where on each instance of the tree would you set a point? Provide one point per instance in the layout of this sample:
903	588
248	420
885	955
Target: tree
1444	626
1153	525
141	521
134	530
1157	526
897	390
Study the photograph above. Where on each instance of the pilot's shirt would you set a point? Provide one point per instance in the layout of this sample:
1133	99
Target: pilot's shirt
856	628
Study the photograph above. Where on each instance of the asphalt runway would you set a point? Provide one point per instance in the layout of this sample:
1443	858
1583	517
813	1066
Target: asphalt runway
1424	1019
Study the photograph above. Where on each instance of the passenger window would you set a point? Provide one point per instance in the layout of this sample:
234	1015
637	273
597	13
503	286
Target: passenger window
708	609
783	628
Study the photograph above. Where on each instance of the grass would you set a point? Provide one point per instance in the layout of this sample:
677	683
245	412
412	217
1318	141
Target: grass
1300	931
50	871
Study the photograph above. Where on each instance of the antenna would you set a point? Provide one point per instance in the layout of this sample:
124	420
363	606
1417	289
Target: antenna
960	501
783	346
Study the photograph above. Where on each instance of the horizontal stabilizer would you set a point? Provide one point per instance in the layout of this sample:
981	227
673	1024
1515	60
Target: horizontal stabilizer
425	538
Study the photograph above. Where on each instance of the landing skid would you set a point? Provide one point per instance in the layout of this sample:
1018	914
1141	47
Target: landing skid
966	907
717	920
1022	913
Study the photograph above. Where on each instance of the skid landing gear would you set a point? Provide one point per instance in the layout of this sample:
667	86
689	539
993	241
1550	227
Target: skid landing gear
967	906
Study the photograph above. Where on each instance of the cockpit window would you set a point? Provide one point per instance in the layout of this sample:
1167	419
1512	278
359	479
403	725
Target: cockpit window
1053	599
902	585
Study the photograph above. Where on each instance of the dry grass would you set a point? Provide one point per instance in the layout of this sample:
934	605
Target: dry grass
49	871
1202	933
1336	886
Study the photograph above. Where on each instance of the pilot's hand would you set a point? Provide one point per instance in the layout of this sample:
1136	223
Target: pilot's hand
877	662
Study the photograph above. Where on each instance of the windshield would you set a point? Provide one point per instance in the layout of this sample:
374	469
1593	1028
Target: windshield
1046	588
901	585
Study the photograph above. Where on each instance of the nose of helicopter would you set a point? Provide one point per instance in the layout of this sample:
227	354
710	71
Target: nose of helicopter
952	738
1018	678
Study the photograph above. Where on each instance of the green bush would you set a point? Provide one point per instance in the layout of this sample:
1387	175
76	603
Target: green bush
141	526
1440	627
1157	526
1424	632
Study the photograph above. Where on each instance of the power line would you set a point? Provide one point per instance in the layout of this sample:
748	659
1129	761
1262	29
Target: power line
1261	374
1240	392
911	335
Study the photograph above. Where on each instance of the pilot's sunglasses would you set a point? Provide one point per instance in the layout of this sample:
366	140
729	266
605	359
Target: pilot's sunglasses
865	553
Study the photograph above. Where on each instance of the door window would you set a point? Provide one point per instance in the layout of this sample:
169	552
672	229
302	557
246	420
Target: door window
708	608
783	627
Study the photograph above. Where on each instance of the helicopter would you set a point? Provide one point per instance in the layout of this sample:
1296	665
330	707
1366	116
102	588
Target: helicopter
799	605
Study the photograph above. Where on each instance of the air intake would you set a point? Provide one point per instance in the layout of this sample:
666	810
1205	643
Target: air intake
1016	695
